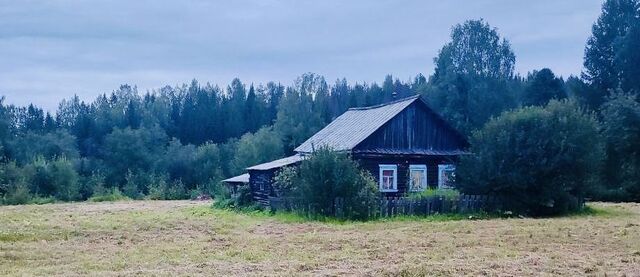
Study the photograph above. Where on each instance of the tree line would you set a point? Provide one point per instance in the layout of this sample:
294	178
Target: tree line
179	141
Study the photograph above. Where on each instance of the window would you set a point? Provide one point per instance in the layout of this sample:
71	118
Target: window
417	177
446	176
388	178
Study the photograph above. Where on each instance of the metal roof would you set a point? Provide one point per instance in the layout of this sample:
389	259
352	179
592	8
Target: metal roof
429	152
244	178
278	163
355	125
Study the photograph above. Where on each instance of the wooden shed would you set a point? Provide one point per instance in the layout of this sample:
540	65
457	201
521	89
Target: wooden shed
404	144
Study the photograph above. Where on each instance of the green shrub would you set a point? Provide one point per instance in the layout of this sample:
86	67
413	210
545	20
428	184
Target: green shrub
541	160
65	180
17	194
160	189
157	190
109	195
42	200
431	192
176	191
243	197
332	184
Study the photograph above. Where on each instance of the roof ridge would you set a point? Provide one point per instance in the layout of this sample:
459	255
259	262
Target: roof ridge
412	97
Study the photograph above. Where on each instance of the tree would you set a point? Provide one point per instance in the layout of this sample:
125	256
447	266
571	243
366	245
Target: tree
4	126
24	148
274	94
540	160
132	150
252	112
582	92
621	127
133	116
600	62
208	167
64	179
472	75
541	87
298	118
178	162
627	59
263	146
236	107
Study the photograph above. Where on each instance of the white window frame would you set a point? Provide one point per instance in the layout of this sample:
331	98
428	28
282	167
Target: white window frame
441	168
393	167
418	167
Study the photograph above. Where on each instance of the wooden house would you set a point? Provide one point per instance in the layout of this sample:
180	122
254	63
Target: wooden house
404	143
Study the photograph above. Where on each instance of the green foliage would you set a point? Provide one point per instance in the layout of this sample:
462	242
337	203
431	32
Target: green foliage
132	187
473	76
92	185
182	140
610	56
541	87
64	179
298	116
627	59
263	146
621	128
243	197
108	195
431	192
27	147
242	200
158	189
284	183
476	49
132	150
16	194
161	189
53	178
541	160
326	177
37	200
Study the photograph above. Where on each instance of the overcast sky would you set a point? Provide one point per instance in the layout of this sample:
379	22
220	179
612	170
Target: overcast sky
51	49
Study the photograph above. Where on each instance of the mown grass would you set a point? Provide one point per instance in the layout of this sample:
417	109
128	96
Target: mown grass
174	238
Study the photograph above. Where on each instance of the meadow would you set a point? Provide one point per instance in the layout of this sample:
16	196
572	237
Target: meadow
189	238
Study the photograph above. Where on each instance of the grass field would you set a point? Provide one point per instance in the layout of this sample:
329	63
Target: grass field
189	238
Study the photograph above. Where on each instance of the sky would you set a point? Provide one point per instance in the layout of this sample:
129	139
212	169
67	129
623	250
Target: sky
53	49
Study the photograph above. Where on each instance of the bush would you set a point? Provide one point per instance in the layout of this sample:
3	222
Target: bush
64	178
160	189
42	200
242	199
176	191
540	160
16	194
327	176
108	195
157	190
430	192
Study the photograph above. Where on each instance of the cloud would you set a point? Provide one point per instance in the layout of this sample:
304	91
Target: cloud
53	49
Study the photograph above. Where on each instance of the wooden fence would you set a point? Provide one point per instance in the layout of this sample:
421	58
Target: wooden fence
396	206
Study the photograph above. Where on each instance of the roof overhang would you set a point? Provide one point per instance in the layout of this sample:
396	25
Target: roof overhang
244	178
278	163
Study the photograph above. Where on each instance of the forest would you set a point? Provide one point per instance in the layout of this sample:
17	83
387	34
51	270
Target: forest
178	142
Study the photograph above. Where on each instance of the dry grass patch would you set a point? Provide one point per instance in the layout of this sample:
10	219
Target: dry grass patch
188	238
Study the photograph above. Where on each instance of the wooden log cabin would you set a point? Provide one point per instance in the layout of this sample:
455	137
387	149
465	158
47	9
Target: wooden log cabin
404	143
